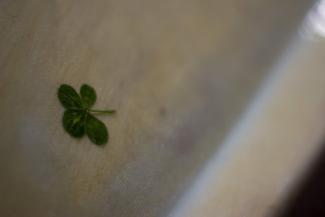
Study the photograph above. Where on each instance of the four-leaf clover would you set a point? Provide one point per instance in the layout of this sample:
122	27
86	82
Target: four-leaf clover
78	118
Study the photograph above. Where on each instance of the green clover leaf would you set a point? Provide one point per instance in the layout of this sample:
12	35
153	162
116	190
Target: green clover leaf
96	130
74	122
68	97
88	95
78	118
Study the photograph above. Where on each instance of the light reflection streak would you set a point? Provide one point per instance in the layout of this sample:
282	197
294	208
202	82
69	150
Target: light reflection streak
314	24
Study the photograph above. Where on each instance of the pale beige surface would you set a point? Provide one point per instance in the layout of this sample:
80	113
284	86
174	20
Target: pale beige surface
272	147
178	72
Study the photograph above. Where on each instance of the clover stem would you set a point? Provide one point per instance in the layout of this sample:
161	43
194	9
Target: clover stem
101	111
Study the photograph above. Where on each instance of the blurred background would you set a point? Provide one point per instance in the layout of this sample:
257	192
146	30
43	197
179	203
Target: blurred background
220	108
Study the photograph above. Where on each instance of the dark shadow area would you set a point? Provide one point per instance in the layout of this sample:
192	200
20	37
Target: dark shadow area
309	198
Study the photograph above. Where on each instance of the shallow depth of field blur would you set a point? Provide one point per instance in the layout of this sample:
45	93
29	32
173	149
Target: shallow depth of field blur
220	108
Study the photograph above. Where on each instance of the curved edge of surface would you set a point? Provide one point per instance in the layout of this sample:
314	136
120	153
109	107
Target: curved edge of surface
265	155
